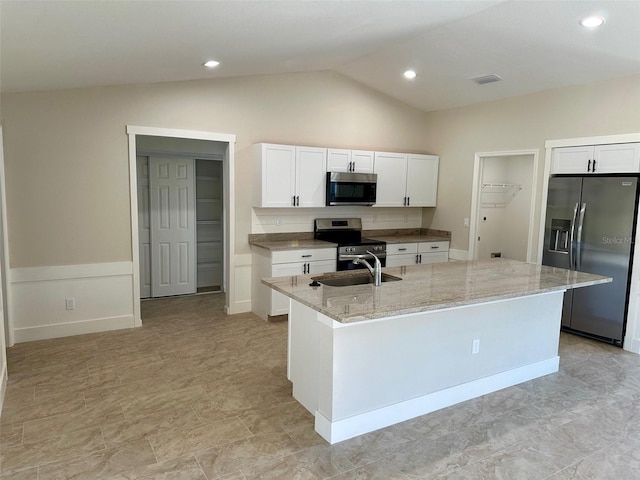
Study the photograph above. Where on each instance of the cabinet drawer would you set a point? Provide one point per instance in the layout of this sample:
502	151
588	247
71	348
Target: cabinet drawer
401	248
427	247
303	255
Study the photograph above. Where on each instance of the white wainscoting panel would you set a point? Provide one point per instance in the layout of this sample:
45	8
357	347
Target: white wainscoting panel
102	293
283	220
241	301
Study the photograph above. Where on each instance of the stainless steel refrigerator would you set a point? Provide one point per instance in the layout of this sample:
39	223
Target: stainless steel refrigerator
590	227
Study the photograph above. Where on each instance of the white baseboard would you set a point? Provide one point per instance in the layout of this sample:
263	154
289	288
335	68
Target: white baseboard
3	386
632	345
347	428
455	254
103	296
94	325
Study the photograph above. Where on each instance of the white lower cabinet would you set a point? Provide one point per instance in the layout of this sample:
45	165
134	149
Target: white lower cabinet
284	263
402	254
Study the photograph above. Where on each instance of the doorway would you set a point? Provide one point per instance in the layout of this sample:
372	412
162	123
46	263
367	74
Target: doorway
503	205
163	137
181	244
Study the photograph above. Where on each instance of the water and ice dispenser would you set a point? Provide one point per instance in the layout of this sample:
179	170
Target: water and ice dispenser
560	235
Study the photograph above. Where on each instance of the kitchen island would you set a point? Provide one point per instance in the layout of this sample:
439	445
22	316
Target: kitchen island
363	357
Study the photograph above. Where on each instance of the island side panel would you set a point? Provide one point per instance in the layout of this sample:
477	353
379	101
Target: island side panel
371	374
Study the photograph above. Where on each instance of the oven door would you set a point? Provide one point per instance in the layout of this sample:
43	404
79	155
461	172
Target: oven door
351	188
347	263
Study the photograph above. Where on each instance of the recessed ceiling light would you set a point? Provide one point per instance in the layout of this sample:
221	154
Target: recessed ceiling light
211	64
592	21
410	74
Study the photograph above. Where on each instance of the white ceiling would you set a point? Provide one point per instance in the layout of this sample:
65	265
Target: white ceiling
533	45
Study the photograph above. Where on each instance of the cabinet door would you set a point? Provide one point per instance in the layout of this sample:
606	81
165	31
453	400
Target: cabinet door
338	160
280	302
392	179
401	260
571	159
311	175
617	158
422	180
278	175
362	161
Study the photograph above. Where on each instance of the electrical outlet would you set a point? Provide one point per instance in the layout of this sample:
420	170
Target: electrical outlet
465	222
475	347
278	221
70	303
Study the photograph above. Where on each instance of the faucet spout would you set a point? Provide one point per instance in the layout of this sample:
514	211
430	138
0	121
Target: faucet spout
375	271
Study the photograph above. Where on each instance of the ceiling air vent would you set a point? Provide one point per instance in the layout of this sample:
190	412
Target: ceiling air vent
487	79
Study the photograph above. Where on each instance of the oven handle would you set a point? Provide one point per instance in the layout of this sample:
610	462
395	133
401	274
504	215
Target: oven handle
366	256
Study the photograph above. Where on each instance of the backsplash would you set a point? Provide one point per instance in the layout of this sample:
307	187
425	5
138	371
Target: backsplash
283	220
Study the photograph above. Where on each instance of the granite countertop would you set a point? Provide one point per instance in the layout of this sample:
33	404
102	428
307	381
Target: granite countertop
431	287
300	240
274	245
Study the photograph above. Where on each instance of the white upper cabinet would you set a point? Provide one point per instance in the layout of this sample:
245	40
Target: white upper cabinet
614	158
289	176
422	180
391	169
356	161
406	180
311	176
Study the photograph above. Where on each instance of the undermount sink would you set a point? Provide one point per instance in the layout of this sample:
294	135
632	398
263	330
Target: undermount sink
346	281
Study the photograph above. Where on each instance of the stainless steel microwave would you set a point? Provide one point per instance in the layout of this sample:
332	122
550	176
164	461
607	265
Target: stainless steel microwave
345	188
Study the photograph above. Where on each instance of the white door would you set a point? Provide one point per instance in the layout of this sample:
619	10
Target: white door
173	226
144	242
392	179
311	174
422	180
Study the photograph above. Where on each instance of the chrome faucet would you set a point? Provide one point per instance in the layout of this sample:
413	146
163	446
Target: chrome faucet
375	271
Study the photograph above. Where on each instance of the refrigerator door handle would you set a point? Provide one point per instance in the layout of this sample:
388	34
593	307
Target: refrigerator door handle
572	239
583	208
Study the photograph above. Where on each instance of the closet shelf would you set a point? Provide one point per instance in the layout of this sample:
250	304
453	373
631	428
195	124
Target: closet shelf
209	222
498	195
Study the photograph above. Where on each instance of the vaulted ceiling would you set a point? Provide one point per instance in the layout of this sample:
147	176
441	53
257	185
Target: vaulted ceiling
532	45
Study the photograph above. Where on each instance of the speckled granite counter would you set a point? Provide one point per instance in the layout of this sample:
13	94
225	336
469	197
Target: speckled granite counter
293	244
431	287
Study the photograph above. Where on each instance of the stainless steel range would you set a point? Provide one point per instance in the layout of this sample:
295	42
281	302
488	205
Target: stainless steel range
347	233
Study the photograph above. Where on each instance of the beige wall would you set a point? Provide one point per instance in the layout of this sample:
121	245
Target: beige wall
603	108
67	159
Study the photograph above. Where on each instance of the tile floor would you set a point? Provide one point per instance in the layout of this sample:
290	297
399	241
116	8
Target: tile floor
195	394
